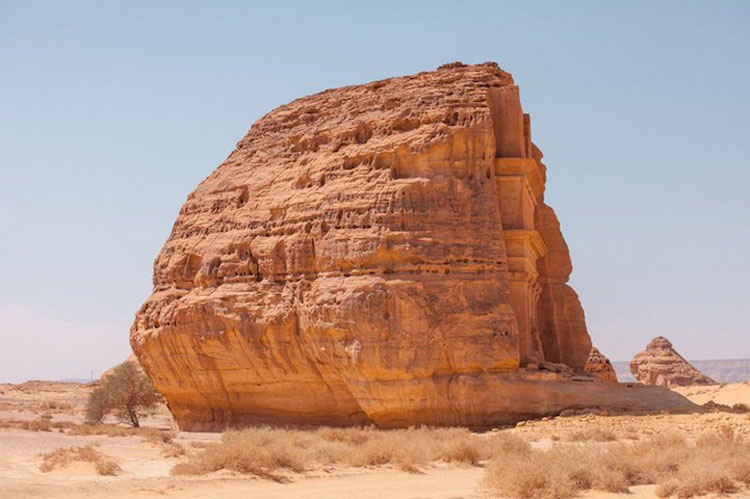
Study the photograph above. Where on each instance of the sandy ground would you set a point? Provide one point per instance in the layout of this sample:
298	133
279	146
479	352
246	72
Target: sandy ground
146	472
728	394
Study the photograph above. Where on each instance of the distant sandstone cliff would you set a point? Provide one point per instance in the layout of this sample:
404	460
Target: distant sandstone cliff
661	365
724	371
380	253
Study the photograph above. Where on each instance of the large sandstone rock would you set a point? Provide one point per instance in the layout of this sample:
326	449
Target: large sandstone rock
660	364
375	253
599	366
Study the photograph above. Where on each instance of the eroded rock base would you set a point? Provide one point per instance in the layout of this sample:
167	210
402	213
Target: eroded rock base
478	402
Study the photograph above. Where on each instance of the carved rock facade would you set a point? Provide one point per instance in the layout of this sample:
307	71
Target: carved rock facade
375	253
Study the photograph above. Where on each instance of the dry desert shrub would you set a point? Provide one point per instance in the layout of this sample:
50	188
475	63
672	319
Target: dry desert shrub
258	451
38	407
108	430
536	475
383	450
57	406
126	392
463	452
592	434
163	438
354	436
61	458
172	449
153	435
713	464
508	444
40	424
4	406
630	433
264	451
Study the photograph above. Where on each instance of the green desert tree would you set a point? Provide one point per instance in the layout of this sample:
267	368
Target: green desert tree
126	392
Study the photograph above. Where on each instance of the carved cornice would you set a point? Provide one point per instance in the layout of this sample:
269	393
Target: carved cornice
529	237
528	168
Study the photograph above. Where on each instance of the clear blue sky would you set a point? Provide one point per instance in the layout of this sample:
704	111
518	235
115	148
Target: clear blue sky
112	112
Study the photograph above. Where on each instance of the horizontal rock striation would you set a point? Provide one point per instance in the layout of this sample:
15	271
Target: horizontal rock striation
660	365
379	253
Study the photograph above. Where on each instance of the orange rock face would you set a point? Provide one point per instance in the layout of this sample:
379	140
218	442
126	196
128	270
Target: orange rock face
599	366
660	364
375	253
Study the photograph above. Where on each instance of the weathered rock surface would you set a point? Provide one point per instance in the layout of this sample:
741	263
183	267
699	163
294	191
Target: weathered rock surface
374	253
660	364
599	366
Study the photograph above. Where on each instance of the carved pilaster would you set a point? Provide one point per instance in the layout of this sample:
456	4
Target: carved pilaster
520	184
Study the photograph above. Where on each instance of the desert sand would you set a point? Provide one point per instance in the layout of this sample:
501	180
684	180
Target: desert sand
145	464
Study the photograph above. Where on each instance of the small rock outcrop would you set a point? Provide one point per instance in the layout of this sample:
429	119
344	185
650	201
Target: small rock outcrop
380	253
660	365
599	366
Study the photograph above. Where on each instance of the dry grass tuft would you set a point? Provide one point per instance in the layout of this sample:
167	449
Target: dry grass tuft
172	449
61	458
47	406
630	433
265	451
157	436
260	451
154	435
713	464
44	423
463	452
65	407
161	438
592	434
